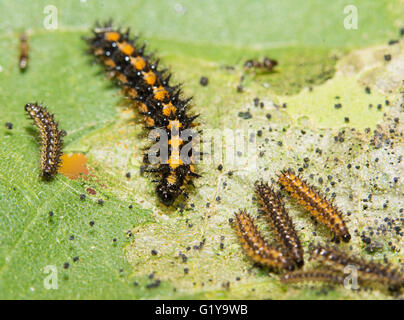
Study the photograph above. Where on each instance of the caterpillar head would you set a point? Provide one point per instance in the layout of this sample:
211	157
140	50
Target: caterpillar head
167	192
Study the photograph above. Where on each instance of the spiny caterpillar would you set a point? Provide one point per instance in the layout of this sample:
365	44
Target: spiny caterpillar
255	245
23	61
280	221
51	138
159	102
367	271
314	202
322	275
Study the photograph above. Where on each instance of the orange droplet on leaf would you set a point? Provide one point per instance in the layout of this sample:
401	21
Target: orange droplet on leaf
73	165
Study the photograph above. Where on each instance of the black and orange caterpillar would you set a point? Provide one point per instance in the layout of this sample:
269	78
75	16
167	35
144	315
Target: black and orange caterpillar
367	271
315	203
278	217
160	104
256	246
51	138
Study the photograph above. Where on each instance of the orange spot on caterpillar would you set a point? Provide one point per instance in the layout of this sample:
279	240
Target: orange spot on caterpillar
112	36
175	142
280	221
126	48
142	107
149	77
175	161
110	63
121	77
149	121
160	93
172	178
255	245
315	203
169	109
174	125
74	165
51	138
138	62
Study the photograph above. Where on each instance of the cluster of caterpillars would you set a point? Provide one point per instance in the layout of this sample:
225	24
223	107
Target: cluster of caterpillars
160	104
289	255
271	204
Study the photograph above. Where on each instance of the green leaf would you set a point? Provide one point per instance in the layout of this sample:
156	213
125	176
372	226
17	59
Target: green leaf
319	60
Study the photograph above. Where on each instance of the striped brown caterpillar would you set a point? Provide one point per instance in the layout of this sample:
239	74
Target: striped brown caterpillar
51	138
315	203
158	102
313	275
367	271
256	246
278	217
23	61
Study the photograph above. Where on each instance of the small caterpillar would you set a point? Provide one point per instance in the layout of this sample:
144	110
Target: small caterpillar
51	138
256	246
313	275
267	64
280	221
367	271
23	61
318	206
159	103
